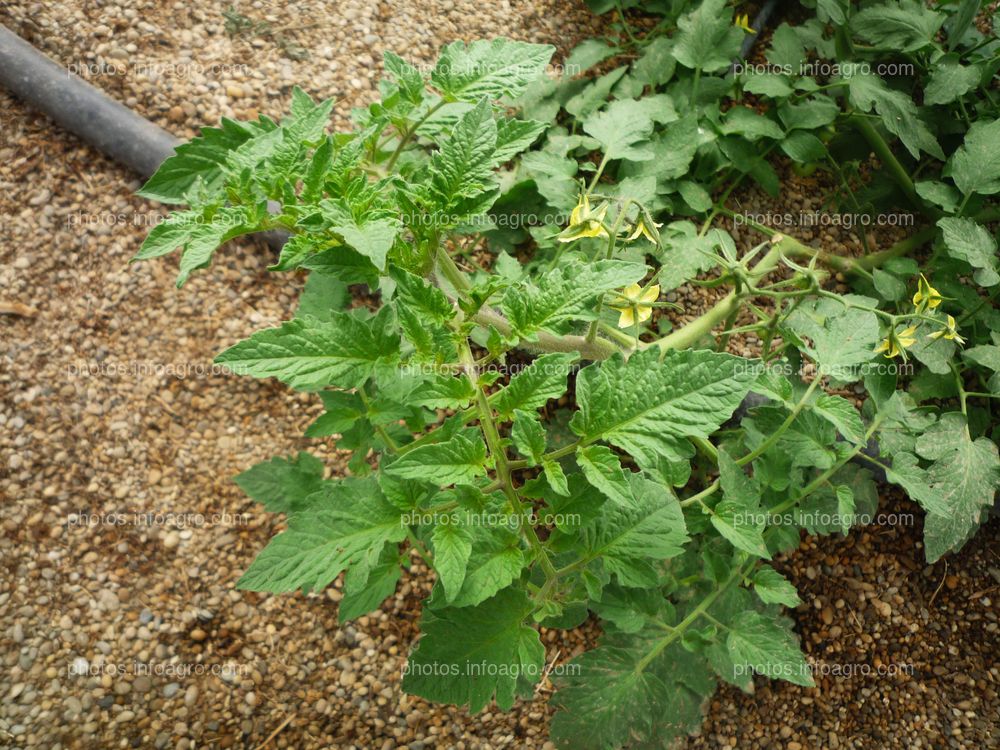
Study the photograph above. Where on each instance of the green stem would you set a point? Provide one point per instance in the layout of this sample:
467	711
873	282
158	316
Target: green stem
408	135
499	456
896	170
702	608
783	427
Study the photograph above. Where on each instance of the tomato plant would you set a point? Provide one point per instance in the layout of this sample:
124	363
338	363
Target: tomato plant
523	413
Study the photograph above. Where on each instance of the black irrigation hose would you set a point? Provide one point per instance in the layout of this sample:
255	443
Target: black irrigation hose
139	144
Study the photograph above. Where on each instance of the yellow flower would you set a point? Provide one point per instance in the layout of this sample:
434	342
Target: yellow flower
642	230
634	302
743	22
926	296
950	332
585	223
895	343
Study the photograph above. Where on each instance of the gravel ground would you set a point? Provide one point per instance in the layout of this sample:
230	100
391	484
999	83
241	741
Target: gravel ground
110	412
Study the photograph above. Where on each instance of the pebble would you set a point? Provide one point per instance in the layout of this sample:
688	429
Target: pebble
108	600
170	690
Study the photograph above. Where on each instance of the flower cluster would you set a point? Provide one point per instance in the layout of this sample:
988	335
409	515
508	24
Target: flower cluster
925	299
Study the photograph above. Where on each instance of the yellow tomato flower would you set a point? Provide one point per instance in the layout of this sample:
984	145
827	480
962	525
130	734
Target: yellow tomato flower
895	343
585	223
926	296
633	303
641	230
743	22
950	332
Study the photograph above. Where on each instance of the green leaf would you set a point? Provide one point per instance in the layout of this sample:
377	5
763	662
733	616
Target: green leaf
811	114
587	54
452	548
556	477
965	475
422	296
198	234
706	38
898	112
531	388
685	254
348	527
199	160
373	239
513	136
628	539
648	407
950	80
736	517
322	296
987	356
343	411
900	26
803	147
491	69
603	470
773	588
752	126
845	507
841	413
459	461
411	83
463	168
309	353
975	165
475	654
611	698
966	240
564	294
673	148
529	436
496	560
786	50
842	337
773	85
283	484
366	588
620	128
656	64
768	646
444	392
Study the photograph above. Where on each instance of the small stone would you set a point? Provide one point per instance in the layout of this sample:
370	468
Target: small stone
234	92
176	114
73	705
170	690
347	678
108	600
125	716
170	540
951	582
198	635
40	198
17	633
191	695
142	684
251	698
